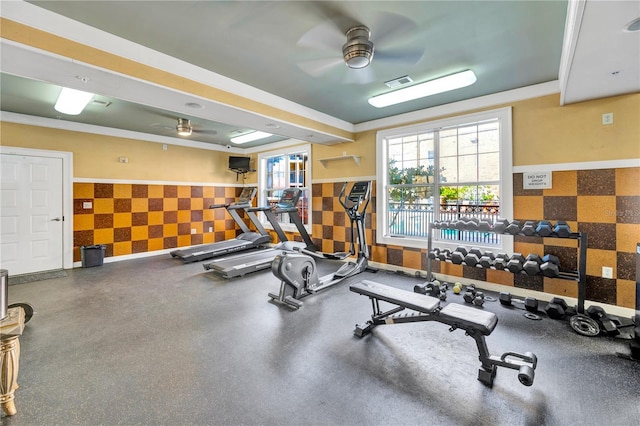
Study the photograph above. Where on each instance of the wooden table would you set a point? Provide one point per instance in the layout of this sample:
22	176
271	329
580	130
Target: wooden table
11	329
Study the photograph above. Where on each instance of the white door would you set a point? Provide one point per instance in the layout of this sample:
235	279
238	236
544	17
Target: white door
31	214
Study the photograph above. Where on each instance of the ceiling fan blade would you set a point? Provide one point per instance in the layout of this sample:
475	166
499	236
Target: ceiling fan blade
318	67
326	35
406	56
205	132
389	29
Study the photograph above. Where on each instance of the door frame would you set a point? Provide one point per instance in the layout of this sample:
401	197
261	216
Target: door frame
67	194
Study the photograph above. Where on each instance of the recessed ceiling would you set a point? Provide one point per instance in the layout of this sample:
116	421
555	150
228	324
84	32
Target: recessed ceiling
292	52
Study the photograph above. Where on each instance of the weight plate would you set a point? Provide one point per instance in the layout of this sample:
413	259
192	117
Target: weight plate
532	316
584	325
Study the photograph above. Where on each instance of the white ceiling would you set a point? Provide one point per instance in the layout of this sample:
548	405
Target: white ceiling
287	55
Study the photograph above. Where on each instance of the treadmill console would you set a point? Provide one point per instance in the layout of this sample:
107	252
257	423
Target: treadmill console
359	191
289	198
247	195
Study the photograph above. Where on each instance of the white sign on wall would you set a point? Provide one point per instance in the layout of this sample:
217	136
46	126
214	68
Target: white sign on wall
536	180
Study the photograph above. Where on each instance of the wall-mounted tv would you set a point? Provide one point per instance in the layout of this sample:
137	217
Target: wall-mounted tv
240	164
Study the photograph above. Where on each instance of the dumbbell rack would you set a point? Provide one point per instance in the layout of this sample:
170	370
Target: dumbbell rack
580	276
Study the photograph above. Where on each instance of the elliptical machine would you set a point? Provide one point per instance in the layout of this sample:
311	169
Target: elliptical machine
298	272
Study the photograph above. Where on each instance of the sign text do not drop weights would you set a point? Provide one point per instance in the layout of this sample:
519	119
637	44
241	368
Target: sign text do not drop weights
536	180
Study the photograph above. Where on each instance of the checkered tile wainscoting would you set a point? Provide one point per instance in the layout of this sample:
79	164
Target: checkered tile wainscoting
604	204
131	218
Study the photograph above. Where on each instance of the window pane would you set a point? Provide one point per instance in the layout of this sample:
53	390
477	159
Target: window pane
489	167
489	138
449	169
448	144
467	141
468	168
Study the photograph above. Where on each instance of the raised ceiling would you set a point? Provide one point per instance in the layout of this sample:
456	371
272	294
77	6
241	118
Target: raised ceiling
288	54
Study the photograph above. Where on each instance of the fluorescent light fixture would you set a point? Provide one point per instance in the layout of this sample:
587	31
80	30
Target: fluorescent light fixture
71	101
250	137
428	88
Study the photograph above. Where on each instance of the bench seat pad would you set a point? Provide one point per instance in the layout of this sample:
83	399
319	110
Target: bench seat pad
408	299
470	318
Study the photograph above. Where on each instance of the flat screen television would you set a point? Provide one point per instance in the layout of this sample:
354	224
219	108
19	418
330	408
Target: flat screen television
242	164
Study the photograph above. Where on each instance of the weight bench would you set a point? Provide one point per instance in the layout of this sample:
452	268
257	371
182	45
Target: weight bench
475	322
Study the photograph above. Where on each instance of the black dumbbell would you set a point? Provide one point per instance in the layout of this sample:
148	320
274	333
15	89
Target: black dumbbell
529	228
459	224
469	293
478	298
500	225
472	224
556	308
513	228
529	303
562	229
532	264
457	257
501	261
444	254
515	264
486	261
484	226
473	257
433	254
550	266
544	228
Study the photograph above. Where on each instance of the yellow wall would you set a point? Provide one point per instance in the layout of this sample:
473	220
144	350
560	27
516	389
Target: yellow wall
543	133
96	156
546	133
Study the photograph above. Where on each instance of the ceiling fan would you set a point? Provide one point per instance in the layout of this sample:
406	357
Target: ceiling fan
184	127
342	40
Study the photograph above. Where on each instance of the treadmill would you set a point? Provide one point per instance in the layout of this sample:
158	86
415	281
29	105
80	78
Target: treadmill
245	241
243	263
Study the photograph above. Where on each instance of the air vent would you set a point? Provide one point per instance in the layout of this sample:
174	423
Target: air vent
397	82
100	103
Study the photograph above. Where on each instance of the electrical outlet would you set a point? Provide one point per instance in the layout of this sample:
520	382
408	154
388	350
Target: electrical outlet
607	272
211	229
607	118
87	205
193	230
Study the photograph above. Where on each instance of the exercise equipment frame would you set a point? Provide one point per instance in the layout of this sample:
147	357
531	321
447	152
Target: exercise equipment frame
475	322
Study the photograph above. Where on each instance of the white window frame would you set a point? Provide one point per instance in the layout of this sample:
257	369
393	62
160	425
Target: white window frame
262	183
506	175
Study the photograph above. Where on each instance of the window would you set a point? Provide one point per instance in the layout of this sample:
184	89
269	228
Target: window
444	170
281	170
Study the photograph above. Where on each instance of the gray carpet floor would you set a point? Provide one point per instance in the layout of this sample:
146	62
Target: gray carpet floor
157	342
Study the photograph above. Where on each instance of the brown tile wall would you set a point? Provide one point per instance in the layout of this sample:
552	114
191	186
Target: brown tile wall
604	203
132	218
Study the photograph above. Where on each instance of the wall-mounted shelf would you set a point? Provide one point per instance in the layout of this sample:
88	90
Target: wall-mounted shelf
355	158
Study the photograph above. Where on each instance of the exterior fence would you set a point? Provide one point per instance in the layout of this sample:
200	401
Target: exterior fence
413	220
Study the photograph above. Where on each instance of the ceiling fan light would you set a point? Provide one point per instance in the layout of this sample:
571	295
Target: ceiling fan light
428	88
184	127
358	50
71	101
250	137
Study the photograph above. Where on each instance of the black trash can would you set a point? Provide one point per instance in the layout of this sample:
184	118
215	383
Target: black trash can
92	255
